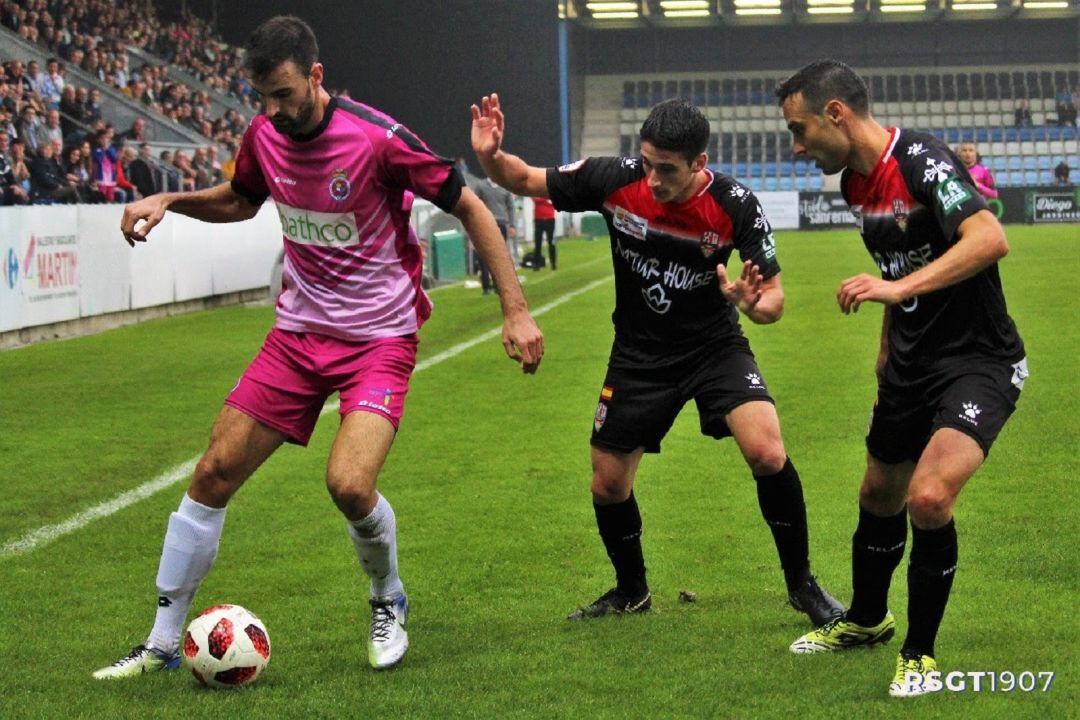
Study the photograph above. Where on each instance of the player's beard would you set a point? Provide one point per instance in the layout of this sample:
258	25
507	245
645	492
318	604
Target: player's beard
292	126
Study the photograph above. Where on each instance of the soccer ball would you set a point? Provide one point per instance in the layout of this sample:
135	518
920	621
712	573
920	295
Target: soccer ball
226	646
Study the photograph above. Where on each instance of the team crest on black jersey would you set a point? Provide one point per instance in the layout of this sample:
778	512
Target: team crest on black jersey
339	185
710	243
900	213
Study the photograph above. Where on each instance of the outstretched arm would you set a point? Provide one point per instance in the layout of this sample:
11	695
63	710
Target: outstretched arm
218	204
506	170
522	339
982	243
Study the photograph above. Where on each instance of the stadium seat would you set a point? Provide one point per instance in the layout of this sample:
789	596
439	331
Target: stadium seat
1030	162
771	184
787	183
1015	162
815	183
1031	177
1046	177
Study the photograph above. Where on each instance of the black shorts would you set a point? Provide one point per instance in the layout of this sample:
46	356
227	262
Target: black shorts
638	406
975	398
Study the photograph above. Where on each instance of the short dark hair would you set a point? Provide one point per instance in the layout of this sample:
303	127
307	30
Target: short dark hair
825	80
678	126
281	38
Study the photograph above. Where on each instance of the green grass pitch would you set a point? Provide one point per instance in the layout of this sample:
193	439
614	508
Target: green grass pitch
489	478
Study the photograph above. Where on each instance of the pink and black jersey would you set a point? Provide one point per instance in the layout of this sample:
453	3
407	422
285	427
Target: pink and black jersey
352	265
667	302
908	210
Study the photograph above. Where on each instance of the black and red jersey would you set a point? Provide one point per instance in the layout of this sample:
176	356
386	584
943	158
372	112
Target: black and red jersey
667	301
908	210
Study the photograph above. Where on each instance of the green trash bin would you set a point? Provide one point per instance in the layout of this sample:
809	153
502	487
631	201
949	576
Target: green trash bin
448	255
593	226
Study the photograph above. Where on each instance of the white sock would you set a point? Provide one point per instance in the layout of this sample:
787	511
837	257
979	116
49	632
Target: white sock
375	538
191	544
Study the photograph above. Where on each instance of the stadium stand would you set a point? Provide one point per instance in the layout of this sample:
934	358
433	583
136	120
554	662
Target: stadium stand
115	67
749	139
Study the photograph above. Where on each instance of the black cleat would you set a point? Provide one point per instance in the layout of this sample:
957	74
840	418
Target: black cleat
811	598
614	602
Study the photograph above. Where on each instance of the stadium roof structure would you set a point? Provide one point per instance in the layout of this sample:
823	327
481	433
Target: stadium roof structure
694	13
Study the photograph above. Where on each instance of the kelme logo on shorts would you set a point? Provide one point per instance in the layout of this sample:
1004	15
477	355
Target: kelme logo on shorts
308	227
951	193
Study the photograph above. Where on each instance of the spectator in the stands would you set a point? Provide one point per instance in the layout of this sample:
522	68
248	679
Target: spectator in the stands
74	166
50	129
19	168
119	68
71	112
48	180
93	104
52	84
7	127
136	133
172	175
105	160
205	174
17	79
123	184
10	191
139	169
188	175
26	128
1022	114
1061	174
36	75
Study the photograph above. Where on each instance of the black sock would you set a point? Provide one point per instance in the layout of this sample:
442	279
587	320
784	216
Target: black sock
877	547
620	529
780	498
931	570
551	252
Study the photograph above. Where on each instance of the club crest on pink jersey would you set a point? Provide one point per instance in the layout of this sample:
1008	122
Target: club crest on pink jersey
339	185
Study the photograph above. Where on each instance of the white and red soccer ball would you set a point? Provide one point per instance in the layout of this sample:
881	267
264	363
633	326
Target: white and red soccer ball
226	646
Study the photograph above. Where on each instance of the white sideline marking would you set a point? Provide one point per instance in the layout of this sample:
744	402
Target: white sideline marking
48	533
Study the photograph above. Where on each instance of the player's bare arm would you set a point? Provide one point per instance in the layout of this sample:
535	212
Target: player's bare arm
508	171
522	339
217	204
760	300
982	243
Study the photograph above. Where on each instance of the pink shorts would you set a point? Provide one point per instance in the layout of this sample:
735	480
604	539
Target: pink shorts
290	379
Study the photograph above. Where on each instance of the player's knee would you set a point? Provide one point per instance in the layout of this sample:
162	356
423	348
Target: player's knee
930	507
353	493
880	499
767	458
213	482
607	489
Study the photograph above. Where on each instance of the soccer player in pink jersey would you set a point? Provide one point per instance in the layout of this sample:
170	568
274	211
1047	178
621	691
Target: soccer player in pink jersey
980	174
351	304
